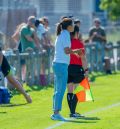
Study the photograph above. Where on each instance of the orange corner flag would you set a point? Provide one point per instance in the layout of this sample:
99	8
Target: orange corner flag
83	91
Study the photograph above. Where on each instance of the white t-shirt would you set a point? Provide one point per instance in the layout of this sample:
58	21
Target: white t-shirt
40	31
62	41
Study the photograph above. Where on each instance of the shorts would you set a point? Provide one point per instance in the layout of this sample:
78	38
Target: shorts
75	73
5	67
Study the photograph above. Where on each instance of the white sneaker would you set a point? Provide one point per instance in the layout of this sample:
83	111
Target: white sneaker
57	117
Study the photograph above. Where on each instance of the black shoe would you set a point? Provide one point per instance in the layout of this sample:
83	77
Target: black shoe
76	115
80	115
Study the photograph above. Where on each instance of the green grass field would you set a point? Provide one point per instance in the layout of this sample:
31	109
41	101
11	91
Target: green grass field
103	113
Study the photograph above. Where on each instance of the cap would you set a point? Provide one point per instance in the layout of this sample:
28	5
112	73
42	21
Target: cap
32	19
97	20
77	21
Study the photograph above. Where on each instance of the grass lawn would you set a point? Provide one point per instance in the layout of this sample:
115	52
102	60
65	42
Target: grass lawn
103	113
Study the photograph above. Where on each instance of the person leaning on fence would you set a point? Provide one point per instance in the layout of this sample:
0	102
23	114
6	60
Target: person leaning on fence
6	70
48	44
76	71
44	35
60	64
97	35
16	36
28	38
41	33
40	30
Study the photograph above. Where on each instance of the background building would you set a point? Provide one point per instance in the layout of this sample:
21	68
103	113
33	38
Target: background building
85	10
13	12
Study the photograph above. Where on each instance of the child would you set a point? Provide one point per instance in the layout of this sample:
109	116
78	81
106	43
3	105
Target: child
60	64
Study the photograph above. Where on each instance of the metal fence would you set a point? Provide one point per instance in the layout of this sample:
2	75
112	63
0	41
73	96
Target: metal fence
97	56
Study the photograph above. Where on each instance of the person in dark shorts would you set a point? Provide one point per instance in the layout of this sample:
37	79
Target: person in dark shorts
76	72
6	70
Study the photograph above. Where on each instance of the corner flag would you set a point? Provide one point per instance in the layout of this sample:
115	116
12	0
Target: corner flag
83	91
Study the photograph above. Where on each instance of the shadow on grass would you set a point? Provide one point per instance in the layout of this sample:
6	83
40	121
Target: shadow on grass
38	88
12	105
3	112
90	118
31	88
75	121
83	118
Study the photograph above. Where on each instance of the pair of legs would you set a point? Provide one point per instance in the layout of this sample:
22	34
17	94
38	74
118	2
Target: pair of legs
6	70
75	76
72	98
60	83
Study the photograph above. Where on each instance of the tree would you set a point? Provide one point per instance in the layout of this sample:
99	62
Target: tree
112	7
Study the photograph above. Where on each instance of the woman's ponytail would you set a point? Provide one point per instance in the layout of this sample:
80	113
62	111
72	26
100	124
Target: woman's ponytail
59	29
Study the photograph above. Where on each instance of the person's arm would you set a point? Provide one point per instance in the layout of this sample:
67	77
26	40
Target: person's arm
92	35
36	39
15	37
68	50
1	57
102	37
84	62
29	38
85	65
45	39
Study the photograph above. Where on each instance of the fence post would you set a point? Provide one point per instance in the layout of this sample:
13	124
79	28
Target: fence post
37	64
30	67
18	65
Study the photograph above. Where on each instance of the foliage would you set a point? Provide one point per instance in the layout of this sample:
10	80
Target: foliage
112	7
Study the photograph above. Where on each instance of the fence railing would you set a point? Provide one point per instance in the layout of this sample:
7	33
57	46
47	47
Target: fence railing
37	61
98	56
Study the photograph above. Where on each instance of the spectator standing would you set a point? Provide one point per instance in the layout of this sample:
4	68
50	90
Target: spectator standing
60	64
41	33
28	38
16	36
97	35
97	32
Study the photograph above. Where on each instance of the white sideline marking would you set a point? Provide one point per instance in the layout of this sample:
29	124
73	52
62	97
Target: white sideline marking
91	112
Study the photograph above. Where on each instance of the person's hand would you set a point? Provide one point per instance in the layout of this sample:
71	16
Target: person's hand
99	36
80	53
95	33
86	74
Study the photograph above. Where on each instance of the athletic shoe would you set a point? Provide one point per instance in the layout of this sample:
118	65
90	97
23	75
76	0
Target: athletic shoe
80	115
57	117
76	115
